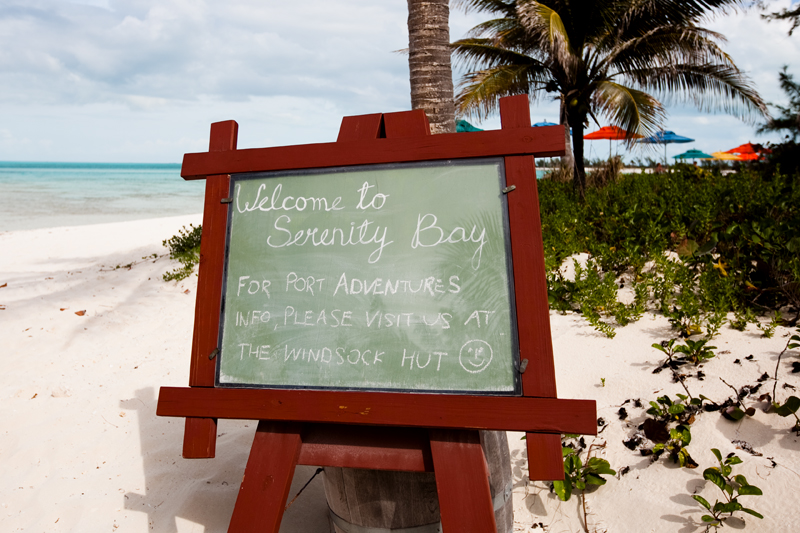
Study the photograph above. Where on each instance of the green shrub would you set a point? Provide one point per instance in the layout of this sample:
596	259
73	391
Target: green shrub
695	245
184	248
606	172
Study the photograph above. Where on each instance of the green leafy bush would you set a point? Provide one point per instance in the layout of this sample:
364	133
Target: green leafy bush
184	248
692	243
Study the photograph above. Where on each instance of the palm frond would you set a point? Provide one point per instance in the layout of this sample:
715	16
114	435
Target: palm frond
479	91
667	45
544	25
786	14
479	54
485	6
632	110
496	28
675	12
788	116
710	87
780	124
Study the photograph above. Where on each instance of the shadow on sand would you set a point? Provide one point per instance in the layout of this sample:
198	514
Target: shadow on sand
203	491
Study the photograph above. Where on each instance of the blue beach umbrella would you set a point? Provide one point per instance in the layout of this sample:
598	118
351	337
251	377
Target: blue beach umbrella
665	138
693	154
463	125
545	123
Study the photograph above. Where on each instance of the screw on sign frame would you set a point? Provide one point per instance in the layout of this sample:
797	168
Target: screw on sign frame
382	430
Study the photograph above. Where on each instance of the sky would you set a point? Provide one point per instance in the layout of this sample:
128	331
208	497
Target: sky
142	80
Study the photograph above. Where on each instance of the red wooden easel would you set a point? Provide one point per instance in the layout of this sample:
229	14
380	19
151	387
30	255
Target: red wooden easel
382	430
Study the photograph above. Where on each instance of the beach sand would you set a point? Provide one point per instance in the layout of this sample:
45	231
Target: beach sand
82	450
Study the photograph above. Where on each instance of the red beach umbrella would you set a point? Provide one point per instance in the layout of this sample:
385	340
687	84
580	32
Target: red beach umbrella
749	151
612	133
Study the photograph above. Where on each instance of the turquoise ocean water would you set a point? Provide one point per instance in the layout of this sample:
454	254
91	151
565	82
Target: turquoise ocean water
46	195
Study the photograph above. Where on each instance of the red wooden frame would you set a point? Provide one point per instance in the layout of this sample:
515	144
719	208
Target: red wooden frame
382	430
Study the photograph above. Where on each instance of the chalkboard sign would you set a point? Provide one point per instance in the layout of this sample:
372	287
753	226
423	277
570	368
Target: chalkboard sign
390	277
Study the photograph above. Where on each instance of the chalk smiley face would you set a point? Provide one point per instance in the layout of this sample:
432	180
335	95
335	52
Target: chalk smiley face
475	356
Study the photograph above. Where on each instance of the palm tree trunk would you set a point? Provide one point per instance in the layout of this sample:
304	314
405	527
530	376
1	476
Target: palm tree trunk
429	62
579	173
568	159
574	157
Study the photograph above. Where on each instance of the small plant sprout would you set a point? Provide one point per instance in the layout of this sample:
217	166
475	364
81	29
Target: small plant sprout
789	407
738	409
713	323
578	475
696	351
792	403
665	409
722	477
768	329
679	438
674	440
742	318
681	410
603	382
686	322
668	347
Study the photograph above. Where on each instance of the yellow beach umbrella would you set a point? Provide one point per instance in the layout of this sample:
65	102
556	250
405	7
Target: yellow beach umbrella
725	156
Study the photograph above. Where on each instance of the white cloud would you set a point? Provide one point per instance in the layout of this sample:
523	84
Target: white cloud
66	53
135	68
141	80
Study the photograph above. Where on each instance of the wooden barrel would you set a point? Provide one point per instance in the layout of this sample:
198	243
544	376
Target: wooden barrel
379	501
495	447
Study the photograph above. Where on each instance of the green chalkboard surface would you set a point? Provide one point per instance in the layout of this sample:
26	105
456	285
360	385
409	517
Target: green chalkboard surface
372	278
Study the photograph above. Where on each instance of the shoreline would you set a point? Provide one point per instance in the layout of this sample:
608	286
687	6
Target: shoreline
194	218
46	195
83	449
115	220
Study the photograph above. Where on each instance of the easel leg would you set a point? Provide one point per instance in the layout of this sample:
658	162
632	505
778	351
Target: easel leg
267	478
200	438
545	462
462	481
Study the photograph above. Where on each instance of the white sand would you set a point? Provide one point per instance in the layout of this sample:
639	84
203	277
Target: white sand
82	450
